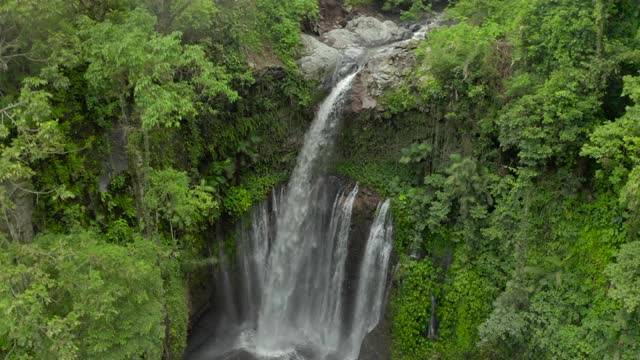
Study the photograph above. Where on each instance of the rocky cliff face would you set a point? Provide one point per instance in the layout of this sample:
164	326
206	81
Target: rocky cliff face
367	32
390	55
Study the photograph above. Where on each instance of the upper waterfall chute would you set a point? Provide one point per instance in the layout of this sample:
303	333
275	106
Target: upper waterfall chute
290	247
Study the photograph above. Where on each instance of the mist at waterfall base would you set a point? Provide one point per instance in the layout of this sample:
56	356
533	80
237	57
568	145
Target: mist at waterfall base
289	292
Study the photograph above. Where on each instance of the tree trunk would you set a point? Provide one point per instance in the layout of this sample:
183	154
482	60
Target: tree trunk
18	220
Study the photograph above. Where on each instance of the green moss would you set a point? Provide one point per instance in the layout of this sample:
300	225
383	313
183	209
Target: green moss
385	177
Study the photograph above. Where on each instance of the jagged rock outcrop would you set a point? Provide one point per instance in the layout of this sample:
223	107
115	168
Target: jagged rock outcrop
377	344
385	69
390	57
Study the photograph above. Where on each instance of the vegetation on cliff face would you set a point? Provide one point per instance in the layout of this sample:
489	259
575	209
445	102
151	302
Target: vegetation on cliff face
129	129
519	127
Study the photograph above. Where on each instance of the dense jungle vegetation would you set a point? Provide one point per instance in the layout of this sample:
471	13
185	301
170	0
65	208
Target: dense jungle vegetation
132	130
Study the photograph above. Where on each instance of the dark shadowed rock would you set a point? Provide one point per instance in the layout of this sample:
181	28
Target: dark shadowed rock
331	14
377	344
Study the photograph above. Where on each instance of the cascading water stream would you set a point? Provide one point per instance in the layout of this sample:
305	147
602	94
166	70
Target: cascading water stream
372	280
293	296
290	246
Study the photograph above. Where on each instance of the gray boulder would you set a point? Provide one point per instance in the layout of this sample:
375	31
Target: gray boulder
374	32
341	39
386	68
319	61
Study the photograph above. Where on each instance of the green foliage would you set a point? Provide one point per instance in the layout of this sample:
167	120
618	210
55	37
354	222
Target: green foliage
190	16
387	178
519	87
28	132
357	2
559	34
411	307
553	122
171	198
397	101
28	136
544	259
119	231
417	155
463	56
614	146
504	331
624	274
238	199
556	304
119	212
128	92
410	10
176	306
74	297
164	77
281	23
459	196
466	304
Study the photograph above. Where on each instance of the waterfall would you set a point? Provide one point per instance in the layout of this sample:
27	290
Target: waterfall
290	294
372	279
291	246
432	319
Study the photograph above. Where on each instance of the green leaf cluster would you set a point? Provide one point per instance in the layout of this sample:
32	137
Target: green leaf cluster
76	297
